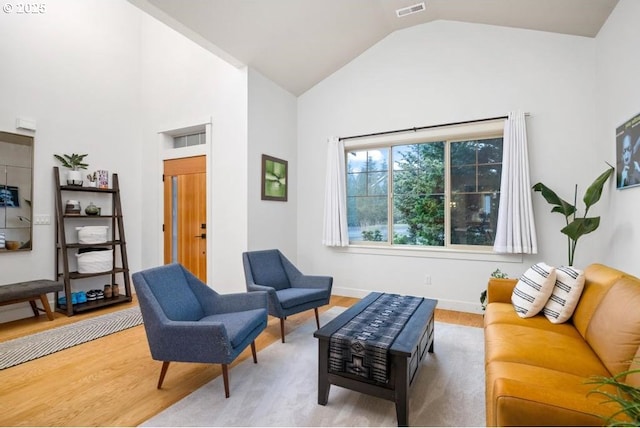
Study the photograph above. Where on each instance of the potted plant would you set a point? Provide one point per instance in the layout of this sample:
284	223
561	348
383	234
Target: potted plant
625	396
483	295
75	163
576	226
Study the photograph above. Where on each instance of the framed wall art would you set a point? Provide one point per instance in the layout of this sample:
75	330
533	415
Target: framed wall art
9	196
274	179
628	153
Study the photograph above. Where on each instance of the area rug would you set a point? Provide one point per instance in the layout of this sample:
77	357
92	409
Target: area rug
27	348
281	390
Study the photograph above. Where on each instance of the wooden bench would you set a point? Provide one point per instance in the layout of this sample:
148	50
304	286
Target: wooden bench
30	291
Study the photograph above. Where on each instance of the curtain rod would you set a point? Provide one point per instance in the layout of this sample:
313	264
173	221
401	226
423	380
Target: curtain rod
420	128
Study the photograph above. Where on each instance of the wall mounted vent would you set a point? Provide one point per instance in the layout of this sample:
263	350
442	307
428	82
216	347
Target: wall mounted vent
410	10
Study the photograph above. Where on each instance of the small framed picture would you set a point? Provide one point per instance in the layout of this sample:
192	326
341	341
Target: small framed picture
9	196
628	153
274	179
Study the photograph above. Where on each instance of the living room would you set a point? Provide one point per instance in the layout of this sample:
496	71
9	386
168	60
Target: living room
107	79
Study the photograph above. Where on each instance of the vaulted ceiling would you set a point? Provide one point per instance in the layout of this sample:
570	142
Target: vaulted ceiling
298	43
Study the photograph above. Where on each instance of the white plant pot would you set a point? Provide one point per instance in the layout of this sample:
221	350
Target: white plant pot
74	178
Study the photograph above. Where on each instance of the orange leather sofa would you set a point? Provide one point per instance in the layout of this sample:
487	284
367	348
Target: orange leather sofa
537	372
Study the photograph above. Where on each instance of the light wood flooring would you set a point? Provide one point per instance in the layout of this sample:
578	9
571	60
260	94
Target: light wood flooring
111	381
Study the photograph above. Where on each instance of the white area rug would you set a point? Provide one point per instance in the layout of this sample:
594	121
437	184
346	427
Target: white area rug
281	390
27	348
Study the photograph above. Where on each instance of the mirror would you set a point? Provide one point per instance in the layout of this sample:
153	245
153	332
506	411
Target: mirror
16	179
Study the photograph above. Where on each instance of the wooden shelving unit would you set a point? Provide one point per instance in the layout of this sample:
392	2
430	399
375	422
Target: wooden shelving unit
116	242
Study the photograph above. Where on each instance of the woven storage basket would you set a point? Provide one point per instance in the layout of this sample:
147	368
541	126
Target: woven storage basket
94	260
92	234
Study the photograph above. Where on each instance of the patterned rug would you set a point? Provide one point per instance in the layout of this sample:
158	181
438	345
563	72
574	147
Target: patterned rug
23	349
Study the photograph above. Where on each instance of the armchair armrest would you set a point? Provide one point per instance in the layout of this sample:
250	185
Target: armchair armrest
312	281
174	341
236	302
500	289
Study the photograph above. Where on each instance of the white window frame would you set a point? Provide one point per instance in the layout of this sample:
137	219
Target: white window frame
449	133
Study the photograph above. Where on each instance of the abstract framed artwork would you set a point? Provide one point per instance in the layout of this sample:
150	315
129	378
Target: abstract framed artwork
274	179
627	153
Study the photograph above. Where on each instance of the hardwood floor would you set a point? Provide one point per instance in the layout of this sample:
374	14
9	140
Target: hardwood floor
111	381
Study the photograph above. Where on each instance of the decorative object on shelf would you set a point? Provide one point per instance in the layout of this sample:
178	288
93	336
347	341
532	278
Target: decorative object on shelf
92	234
93	180
75	163
91	209
72	207
274	179
103	178
108	292
94	260
576	226
115	289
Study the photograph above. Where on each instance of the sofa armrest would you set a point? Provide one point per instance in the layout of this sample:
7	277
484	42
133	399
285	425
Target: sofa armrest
500	289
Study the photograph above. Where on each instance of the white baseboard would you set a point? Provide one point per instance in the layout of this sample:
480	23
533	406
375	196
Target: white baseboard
451	305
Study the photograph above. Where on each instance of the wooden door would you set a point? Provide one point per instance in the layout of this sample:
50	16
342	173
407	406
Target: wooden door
185	214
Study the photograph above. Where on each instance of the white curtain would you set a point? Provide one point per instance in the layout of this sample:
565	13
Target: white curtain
335	232
516	230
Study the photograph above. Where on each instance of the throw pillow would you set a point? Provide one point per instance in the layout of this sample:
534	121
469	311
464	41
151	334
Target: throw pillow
533	290
565	295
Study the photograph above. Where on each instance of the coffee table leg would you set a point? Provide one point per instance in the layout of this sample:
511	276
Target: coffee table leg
323	372
402	391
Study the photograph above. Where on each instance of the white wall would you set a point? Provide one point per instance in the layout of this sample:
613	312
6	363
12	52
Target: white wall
183	85
618	68
444	72
272	131
104	78
75	70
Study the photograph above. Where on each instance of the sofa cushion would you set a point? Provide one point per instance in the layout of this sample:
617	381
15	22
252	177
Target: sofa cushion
614	330
565	295
541	348
533	289
503	313
598	279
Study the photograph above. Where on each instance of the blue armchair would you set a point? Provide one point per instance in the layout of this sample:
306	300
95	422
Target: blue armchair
289	291
187	321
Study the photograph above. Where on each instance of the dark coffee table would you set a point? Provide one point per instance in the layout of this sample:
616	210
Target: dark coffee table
404	356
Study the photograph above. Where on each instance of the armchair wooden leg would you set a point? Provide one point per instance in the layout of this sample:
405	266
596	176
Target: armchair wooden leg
317	318
282	328
253	352
163	372
225	378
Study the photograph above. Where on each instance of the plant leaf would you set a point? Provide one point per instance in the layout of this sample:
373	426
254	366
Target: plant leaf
594	192
560	205
581	226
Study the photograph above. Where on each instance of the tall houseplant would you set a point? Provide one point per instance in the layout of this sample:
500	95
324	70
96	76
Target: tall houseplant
576	226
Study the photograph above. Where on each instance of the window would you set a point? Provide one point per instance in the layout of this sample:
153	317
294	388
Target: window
442	193
189	140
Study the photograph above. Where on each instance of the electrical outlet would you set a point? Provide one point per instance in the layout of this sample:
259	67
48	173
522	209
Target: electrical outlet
427	280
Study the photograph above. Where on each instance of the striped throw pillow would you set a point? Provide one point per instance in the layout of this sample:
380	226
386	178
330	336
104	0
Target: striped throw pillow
565	295
533	290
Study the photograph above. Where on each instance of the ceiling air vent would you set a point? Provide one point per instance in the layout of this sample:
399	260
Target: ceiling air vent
410	10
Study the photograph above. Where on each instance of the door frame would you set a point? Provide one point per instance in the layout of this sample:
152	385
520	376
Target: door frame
165	152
